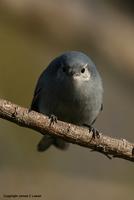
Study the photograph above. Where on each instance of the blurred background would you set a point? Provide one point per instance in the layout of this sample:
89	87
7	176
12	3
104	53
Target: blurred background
32	33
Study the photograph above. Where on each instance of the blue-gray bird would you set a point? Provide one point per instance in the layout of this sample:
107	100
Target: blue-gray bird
71	89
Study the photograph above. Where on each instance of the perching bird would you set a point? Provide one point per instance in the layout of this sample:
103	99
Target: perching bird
71	89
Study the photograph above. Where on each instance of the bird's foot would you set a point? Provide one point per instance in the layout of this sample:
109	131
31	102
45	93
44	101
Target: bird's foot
95	132
53	119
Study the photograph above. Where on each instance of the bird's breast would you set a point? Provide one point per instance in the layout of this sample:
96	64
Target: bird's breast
70	105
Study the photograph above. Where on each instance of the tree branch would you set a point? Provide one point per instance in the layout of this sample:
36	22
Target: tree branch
109	146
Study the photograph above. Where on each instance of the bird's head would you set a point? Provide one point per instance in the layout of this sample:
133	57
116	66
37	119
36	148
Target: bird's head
74	67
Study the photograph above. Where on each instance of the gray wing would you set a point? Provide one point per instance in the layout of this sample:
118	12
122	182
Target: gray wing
35	101
97	116
37	93
101	107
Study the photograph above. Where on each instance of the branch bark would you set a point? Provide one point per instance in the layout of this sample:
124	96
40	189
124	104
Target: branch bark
109	146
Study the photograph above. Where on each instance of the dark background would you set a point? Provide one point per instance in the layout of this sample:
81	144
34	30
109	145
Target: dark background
32	33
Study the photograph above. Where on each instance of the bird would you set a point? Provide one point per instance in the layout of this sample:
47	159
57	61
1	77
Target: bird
71	89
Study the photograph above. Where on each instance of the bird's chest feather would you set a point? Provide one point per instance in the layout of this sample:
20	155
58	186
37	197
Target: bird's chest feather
72	108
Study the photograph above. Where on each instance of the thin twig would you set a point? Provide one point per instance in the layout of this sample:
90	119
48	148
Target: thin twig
112	147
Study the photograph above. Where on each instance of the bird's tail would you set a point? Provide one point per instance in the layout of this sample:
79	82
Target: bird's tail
48	140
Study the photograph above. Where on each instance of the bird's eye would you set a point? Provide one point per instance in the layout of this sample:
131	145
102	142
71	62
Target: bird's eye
64	69
82	70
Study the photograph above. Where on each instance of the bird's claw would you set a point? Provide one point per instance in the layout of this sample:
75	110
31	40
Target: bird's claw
95	132
53	119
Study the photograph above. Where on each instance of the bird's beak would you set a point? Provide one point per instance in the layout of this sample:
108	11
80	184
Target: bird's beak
72	74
